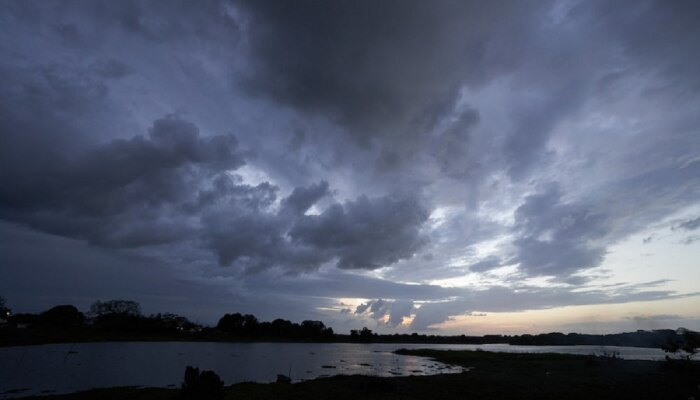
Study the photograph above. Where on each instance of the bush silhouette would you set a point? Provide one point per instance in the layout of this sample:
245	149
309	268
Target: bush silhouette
64	315
202	386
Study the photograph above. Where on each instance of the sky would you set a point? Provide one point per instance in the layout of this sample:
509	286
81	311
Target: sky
443	167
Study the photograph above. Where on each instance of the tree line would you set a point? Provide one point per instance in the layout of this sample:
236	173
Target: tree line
248	326
123	320
114	315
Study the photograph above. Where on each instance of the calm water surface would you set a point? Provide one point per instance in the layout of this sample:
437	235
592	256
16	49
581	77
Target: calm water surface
65	368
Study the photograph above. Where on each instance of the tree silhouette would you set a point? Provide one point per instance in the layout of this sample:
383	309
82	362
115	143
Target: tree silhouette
686	344
62	315
231	323
364	335
125	307
4	311
119	316
170	322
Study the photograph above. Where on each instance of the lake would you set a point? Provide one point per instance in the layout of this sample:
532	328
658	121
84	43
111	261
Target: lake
65	368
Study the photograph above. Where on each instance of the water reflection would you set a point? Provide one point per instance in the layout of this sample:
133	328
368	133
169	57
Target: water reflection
64	368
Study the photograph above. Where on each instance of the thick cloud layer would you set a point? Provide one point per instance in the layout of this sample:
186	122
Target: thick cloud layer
175	185
365	233
555	238
361	234
121	193
423	159
354	59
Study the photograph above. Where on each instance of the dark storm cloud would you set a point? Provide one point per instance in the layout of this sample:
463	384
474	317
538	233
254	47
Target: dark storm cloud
653	36
352	59
453	143
669	30
388	72
250	233
391	72
63	172
526	146
466	109
556	238
82	24
169	185
154	189
111	69
367	233
302	198
107	193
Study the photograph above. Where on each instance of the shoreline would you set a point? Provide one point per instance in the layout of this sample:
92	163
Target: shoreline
30	341
489	375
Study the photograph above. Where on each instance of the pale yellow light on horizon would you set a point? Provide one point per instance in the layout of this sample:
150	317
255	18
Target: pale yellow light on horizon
599	319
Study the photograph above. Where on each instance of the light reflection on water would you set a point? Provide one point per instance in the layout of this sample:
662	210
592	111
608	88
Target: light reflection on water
64	368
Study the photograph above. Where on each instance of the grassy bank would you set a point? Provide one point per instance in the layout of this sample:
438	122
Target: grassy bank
491	376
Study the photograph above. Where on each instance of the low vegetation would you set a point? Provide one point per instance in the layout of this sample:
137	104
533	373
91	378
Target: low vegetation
205	385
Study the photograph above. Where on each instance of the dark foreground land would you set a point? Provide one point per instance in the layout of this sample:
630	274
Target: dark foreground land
490	376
